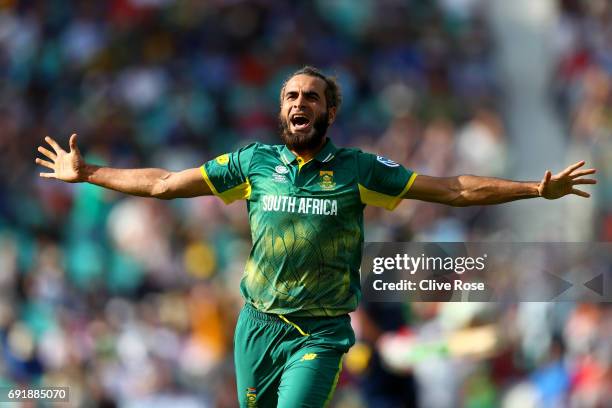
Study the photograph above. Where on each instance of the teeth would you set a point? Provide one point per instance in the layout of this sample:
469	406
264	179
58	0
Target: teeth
300	120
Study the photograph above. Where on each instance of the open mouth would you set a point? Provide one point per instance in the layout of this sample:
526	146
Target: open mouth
300	122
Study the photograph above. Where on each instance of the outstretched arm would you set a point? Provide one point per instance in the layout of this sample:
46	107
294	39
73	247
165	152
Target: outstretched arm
70	167
462	191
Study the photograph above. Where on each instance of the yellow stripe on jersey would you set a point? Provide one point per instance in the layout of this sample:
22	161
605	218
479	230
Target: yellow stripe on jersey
377	199
405	190
207	180
240	192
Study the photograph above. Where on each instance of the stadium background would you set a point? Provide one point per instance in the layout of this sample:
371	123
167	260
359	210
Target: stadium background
132	301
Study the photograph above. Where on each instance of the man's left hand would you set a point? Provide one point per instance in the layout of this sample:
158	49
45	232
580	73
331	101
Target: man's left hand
563	183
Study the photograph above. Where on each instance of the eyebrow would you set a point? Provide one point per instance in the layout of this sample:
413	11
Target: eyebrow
307	93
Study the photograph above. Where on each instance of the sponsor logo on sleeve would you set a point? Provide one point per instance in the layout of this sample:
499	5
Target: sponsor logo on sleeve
387	162
223	159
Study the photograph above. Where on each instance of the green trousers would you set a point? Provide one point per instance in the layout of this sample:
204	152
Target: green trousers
283	361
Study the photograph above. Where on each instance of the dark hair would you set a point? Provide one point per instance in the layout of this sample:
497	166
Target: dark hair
333	96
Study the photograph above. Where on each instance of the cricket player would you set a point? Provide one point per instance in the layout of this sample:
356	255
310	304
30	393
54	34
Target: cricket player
305	200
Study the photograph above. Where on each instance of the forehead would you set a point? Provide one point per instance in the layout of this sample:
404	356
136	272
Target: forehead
306	83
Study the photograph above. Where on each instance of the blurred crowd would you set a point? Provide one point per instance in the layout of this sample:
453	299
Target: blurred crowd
583	89
132	301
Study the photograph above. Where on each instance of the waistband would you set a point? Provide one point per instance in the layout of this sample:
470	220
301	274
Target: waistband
272	317
306	325
256	314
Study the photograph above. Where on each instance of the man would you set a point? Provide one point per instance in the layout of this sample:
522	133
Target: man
305	201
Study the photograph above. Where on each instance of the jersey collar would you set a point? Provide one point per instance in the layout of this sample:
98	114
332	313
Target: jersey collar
326	154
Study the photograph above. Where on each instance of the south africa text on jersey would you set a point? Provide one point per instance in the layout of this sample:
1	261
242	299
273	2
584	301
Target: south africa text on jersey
301	205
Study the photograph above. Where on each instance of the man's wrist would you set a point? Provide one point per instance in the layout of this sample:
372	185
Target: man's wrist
534	187
87	171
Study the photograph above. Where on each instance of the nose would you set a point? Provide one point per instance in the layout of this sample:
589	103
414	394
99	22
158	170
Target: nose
299	101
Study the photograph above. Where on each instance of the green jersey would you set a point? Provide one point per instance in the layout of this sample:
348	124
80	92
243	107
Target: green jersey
306	221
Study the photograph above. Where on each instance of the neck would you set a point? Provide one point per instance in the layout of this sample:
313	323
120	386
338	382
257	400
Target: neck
306	155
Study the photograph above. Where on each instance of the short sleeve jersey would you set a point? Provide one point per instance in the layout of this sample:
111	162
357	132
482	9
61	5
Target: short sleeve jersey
306	221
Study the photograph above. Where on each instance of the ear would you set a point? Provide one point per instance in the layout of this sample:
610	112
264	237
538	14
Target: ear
331	115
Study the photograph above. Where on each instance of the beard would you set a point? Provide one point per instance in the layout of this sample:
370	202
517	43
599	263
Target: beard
305	141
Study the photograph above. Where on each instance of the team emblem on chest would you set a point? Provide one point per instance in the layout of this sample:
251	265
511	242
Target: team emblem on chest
326	180
281	169
279	174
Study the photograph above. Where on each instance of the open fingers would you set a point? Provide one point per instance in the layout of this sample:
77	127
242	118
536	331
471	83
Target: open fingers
573	167
580	193
582	173
547	177
45	163
47	153
47	175
53	144
72	142
584	181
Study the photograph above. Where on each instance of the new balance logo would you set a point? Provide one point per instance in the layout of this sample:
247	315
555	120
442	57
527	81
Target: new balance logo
309	356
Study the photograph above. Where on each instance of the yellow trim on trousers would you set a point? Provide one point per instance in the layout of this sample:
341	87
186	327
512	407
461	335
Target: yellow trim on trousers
284	319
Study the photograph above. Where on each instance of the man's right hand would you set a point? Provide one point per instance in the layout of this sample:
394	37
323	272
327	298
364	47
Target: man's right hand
66	166
149	182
